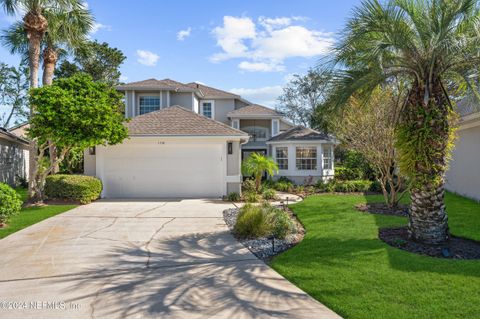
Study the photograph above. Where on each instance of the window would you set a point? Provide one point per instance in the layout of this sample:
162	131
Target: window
327	157
275	125
235	124
282	157
207	109
149	104
306	158
258	133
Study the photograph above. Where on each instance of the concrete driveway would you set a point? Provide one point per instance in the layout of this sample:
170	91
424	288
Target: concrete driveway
142	259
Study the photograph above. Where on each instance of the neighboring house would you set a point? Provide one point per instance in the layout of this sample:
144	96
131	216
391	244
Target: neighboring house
13	158
188	140
463	175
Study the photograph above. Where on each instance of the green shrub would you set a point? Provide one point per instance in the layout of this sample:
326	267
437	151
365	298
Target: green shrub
248	185
309	189
269	183
282	186
281	223
325	186
73	187
252	222
10	203
263	220
346	186
233	197
285	180
299	189
251	197
347	174
269	194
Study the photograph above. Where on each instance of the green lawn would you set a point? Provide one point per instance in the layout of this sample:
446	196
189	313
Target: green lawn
342	263
31	215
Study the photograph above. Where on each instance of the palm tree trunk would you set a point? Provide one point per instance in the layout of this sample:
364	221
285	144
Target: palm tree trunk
429	135
35	26
50	58
428	221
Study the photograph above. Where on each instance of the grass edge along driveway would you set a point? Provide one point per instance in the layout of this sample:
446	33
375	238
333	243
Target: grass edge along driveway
342	263
31	215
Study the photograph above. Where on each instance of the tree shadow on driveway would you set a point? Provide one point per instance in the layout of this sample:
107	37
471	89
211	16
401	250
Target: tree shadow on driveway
194	275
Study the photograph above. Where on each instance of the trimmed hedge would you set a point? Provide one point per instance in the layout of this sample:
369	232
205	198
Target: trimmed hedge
73	187
10	203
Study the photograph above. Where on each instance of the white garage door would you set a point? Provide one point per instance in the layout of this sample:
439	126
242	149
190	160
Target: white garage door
173	170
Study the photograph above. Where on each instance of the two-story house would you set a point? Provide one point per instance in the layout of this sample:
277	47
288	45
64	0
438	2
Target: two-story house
188	140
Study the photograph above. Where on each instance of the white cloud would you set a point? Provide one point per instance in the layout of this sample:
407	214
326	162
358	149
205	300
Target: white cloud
266	95
147	58
183	34
260	66
97	26
269	43
123	78
273	23
230	37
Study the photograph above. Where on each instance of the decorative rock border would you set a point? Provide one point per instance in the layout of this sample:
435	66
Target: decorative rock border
265	248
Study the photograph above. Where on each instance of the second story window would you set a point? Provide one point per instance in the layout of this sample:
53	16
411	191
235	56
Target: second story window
149	104
207	109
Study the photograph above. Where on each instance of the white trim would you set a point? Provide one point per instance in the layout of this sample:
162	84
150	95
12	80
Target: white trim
254	116
126	105
212	102
232	137
134	108
161	100
168	98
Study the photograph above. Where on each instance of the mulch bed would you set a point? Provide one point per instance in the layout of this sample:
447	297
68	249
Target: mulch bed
265	248
383	209
455	248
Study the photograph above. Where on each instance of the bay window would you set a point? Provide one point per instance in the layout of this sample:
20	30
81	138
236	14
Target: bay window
306	158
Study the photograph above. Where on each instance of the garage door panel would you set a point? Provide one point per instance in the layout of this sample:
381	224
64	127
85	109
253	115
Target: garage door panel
163	171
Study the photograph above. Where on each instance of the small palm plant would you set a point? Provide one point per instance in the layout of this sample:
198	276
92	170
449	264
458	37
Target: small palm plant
256	165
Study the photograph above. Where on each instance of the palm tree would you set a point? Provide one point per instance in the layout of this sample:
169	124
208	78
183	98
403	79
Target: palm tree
35	25
433	45
256	165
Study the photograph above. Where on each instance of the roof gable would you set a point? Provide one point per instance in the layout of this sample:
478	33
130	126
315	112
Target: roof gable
154	84
212	93
301	133
176	120
254	109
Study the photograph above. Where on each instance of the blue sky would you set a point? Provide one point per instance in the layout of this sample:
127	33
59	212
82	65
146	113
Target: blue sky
249	47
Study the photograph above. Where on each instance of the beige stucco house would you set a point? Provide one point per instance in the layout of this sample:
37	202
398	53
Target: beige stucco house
463	175
188	140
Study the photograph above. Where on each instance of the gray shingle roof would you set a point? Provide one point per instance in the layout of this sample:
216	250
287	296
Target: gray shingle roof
301	133
176	120
254	109
154	84
212	93
4	133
